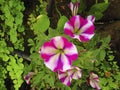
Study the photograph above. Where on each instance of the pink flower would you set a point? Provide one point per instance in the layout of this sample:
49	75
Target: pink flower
94	80
80	28
74	7
28	77
67	76
58	53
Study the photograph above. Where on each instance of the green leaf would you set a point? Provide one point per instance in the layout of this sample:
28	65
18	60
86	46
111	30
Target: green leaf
13	35
52	32
101	55
101	7
61	23
42	24
82	6
98	9
98	15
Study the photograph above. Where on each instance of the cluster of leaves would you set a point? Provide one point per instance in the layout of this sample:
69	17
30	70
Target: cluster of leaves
95	55
11	38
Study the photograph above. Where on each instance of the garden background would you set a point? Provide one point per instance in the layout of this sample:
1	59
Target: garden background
26	24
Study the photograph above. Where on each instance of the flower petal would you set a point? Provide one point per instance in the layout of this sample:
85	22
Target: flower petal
85	37
71	6
91	18
66	62
68	29
77	74
71	52
58	42
47	50
94	80
87	28
52	62
94	85
64	78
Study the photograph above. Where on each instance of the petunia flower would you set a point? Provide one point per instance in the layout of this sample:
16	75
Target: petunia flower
74	7
58	53
67	76
28	77
94	80
79	28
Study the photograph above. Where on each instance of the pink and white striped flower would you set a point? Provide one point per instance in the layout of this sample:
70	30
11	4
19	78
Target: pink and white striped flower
58	53
67	76
94	80
79	28
74	7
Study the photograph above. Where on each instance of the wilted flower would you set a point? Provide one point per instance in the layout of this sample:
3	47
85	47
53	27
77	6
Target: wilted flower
80	28
74	7
58	53
28	77
67	76
94	80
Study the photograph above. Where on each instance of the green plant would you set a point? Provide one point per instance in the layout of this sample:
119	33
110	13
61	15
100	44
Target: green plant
11	38
94	56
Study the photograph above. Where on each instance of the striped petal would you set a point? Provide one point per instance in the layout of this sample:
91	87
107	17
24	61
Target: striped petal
77	73
47	50
52	62
64	78
94	80
71	52
69	29
85	37
91	18
58	42
66	62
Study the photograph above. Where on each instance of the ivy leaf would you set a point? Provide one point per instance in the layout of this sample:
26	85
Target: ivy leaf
42	24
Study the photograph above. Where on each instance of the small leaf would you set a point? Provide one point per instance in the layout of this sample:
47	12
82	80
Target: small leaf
13	35
101	55
61	23
42	24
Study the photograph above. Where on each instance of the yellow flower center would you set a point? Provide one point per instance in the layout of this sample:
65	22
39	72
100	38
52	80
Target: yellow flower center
77	31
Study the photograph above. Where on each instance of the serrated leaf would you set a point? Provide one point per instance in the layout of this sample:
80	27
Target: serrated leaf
101	55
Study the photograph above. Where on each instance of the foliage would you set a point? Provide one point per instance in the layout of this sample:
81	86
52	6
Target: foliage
11	38
95	55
